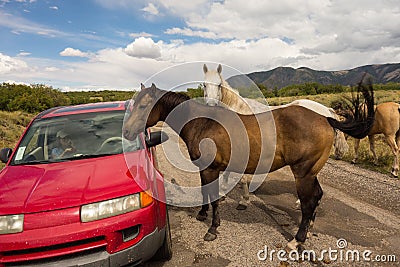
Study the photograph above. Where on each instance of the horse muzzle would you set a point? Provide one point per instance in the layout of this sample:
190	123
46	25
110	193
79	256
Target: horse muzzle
212	102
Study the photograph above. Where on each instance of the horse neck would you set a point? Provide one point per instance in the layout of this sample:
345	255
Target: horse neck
168	102
181	108
232	99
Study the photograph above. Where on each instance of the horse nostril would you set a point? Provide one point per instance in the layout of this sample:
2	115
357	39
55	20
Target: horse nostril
126	133
211	103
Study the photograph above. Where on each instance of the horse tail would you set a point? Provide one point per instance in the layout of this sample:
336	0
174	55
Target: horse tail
359	123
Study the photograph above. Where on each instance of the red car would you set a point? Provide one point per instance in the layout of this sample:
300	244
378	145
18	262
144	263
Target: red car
75	193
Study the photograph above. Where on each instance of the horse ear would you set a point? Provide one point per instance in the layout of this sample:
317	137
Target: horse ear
205	69
142	87
219	69
153	90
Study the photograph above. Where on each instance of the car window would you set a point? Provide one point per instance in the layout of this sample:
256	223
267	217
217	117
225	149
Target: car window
70	137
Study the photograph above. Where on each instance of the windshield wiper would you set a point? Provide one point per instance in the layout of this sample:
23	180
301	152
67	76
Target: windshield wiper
74	157
86	156
34	162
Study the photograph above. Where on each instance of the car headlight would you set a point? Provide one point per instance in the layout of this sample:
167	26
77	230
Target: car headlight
113	207
10	224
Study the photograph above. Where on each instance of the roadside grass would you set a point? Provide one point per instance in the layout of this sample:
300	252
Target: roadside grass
365	158
327	99
12	125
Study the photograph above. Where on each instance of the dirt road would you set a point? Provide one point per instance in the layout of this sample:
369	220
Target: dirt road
360	208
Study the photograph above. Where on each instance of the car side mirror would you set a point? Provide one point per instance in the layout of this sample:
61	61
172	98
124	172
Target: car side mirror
156	138
5	154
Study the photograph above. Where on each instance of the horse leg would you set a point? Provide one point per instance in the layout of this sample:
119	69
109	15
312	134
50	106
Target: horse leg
391	140
371	139
244	201
202	215
310	194
208	176
397	156
216	221
224	185
356	145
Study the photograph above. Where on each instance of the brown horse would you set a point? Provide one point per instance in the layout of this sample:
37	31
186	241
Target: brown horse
387	122
245	143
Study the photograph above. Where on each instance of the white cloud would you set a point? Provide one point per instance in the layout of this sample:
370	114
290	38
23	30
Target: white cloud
140	34
51	69
151	9
72	52
260	35
185	8
23	54
9	64
20	24
143	47
190	32
54	7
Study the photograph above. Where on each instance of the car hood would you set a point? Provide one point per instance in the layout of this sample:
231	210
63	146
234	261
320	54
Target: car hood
37	188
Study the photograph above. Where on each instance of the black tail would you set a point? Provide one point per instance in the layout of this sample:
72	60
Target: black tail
360	122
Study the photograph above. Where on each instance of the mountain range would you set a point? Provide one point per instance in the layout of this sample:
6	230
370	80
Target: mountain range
284	76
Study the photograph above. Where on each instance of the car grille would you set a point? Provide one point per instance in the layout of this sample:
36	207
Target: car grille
55	252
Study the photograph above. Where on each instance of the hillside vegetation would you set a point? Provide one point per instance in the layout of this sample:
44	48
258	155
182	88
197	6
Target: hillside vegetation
281	77
38	97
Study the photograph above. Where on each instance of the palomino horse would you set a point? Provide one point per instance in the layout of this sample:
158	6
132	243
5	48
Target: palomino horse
387	122
303	141
217	90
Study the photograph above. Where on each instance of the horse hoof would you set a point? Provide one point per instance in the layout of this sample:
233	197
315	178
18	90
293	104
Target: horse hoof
394	173
241	207
201	218
294	245
353	162
210	237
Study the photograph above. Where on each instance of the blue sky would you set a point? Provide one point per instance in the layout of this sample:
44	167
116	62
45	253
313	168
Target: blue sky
116	44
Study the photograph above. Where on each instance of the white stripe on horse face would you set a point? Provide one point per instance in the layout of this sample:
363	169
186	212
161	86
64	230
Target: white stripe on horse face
212	87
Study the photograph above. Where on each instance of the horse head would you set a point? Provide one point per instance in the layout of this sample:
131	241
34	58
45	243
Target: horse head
143	112
212	85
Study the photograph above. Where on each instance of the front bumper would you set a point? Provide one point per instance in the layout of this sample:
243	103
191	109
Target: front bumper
68	242
133	255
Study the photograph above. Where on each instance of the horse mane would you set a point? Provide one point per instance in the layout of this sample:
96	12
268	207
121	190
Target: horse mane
170	99
231	97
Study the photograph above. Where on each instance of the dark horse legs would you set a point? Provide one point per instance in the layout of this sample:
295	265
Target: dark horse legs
310	194
212	193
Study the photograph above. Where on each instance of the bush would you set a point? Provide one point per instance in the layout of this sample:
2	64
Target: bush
30	98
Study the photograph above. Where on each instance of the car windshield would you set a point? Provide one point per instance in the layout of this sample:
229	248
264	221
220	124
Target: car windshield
70	137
